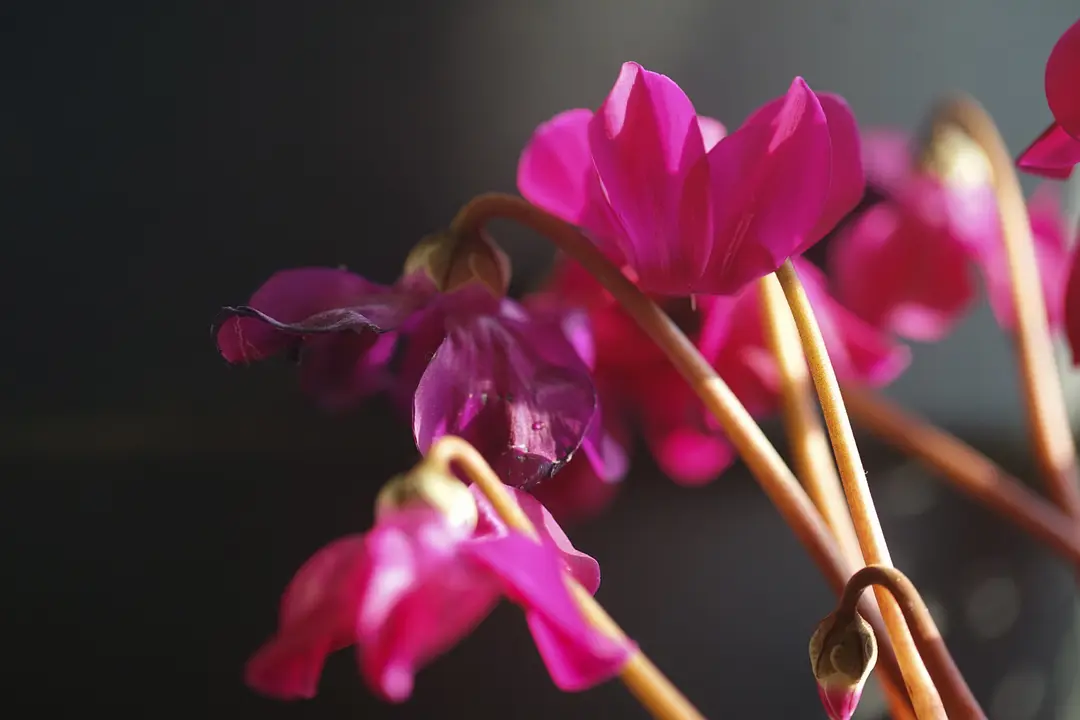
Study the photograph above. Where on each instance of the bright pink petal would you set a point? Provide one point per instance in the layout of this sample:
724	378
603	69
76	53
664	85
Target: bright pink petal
847	184
712	131
648	151
581	567
420	597
577	656
1063	80
887	159
770	182
556	173
1053	155
1051	254
511	385
859	351
317	617
839	702
1072	307
899	273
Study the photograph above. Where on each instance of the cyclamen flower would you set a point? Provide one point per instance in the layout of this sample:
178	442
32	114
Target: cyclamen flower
417	583
475	364
689	209
1056	152
688	444
905	264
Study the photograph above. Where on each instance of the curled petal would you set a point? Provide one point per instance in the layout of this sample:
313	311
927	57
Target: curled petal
555	172
770	182
317	617
1053	155
1063	80
514	387
577	655
902	274
649	153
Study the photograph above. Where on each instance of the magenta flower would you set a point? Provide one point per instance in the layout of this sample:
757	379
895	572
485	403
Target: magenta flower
688	209
905	264
417	583
1057	150
474	364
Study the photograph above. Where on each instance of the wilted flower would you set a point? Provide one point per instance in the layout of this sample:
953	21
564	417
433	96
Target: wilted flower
905	264
475	363
689	209
1056	152
843	652
431	569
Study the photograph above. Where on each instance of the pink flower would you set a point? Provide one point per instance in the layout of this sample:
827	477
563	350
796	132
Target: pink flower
417	583
1057	150
905	264
688	209
474	364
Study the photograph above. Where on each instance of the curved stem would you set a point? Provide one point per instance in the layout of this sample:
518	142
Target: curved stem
757	452
959	701
652	689
924	696
1050	428
810	449
967	469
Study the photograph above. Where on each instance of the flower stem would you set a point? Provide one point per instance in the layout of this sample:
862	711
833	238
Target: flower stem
810	448
967	469
1050	428
955	693
924	695
652	689
774	476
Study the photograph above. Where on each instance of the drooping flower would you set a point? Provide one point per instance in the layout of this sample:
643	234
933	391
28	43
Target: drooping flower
905	264
431	569
1056	152
475	363
843	653
689	209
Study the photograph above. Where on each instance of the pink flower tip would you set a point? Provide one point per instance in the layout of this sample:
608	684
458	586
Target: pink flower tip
839	702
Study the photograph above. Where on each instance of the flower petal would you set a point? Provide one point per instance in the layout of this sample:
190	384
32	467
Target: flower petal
847	184
577	655
514	387
770	182
887	159
1072	307
859	351
712	131
1053	155
1063	80
317	617
556	173
902	274
648	151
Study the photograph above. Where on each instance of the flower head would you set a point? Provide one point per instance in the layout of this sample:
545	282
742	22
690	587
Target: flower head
843	652
905	264
430	570
1056	152
474	364
688	208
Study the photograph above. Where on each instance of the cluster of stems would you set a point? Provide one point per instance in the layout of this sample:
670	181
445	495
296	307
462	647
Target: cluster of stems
827	501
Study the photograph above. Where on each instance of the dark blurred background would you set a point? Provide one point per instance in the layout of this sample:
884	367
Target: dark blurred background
165	158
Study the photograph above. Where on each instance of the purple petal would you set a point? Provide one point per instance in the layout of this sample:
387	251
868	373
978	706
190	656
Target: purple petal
514	387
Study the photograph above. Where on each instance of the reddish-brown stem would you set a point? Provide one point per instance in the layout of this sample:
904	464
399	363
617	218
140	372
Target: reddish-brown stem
652	689
924	696
957	697
1050	428
966	468
774	476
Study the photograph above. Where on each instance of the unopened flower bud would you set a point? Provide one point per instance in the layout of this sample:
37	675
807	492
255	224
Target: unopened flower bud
843	651
453	263
435	489
954	158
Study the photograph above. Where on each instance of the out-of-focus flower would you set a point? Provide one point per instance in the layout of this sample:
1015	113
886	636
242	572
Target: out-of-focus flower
475	363
431	569
842	655
1056	152
689	209
905	264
